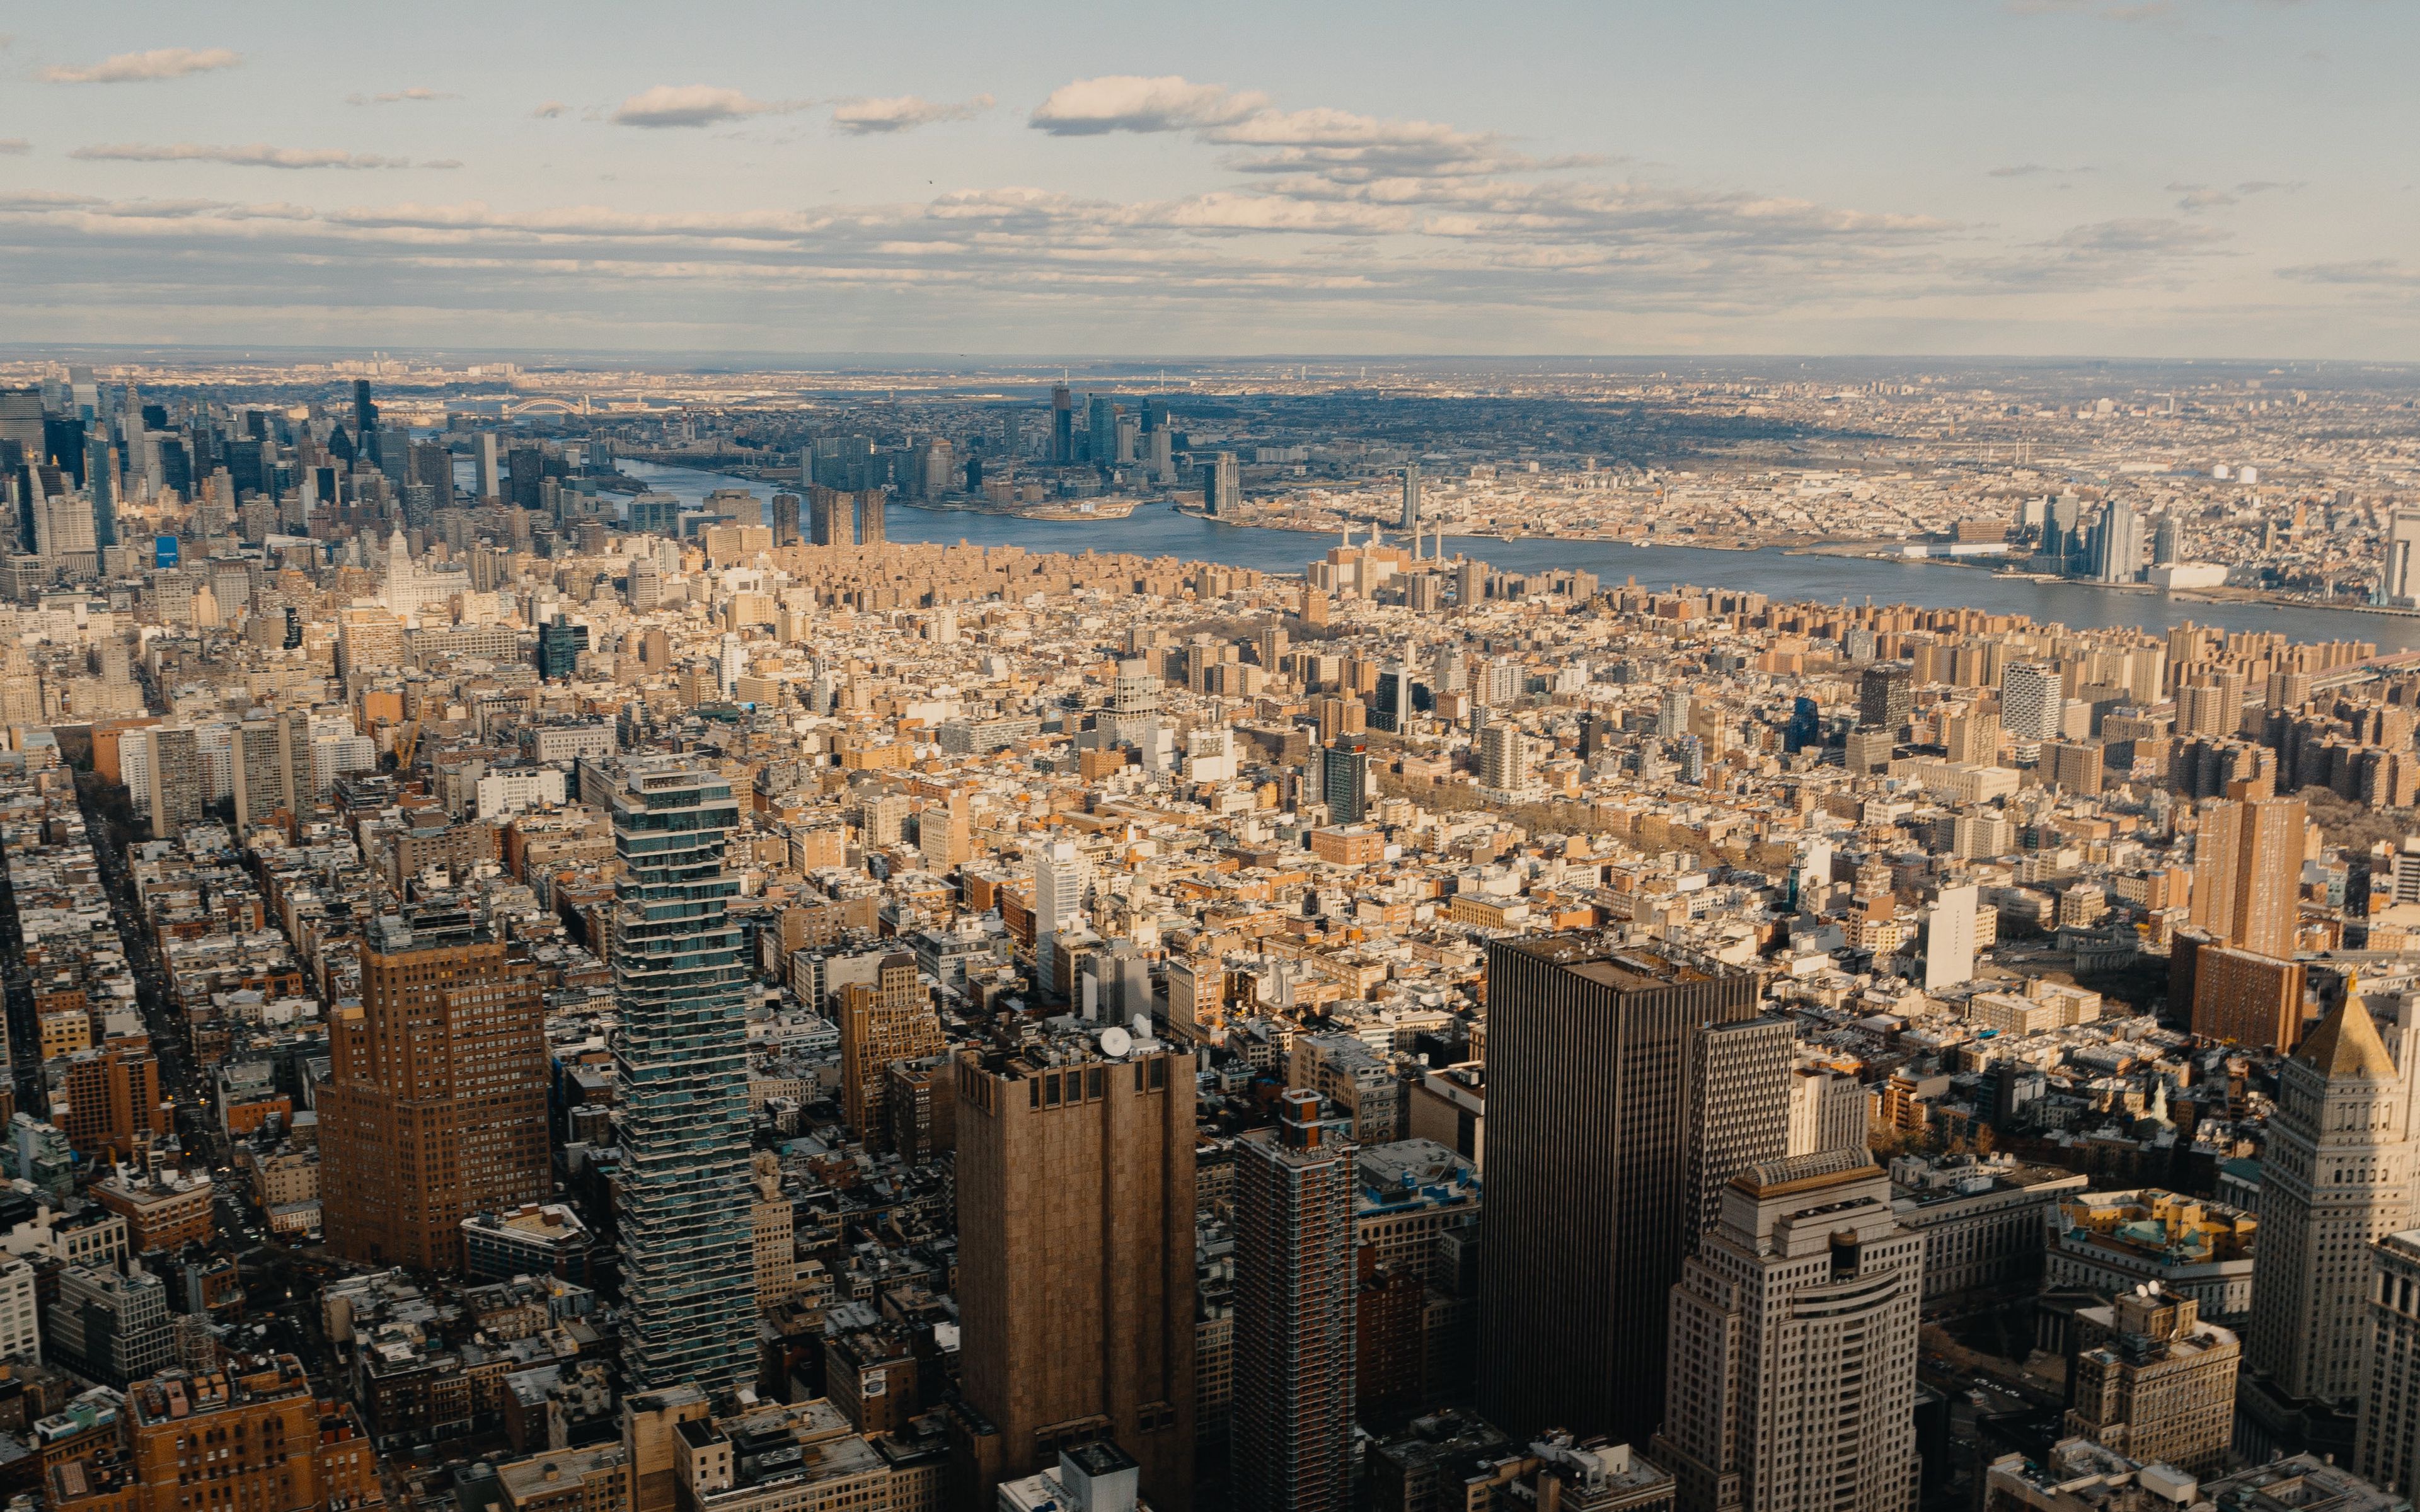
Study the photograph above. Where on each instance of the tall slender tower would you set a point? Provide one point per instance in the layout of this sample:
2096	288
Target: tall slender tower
1075	1173
435	1104
1412	499
1295	1294
689	1277
1794	1346
2336	1177
1594	1139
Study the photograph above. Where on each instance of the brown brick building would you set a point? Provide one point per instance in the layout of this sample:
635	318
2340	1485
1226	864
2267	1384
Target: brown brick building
890	1020
250	1437
435	1104
1076	1209
114	1099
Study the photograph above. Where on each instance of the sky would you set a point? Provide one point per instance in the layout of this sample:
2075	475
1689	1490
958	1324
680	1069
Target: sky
2037	177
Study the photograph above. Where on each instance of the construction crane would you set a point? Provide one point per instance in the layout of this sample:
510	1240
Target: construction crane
406	744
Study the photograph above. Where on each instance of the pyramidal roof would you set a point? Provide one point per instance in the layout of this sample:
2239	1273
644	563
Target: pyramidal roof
2346	1044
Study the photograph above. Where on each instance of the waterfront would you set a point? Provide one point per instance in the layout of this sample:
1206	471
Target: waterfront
1159	530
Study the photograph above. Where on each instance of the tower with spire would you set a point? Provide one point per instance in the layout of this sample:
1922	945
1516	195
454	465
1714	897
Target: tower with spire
2335	1178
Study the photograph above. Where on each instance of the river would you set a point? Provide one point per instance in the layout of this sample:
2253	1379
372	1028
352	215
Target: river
1158	530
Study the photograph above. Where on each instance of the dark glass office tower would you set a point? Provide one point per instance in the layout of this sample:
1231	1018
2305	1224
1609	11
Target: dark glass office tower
1592	1136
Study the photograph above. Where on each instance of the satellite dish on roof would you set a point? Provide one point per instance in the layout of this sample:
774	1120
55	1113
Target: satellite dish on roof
1142	1025
1115	1041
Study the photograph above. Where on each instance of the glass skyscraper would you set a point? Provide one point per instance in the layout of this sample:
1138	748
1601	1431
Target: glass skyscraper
688	1264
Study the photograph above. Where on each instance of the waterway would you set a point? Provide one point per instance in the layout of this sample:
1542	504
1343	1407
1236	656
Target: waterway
1158	530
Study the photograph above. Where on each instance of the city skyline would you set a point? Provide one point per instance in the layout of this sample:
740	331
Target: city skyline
2112	182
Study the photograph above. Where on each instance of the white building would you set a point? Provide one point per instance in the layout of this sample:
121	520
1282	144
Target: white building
514	789
1793	1347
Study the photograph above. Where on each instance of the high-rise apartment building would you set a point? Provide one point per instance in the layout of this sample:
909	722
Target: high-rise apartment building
785	519
20	1329
109	1326
2398	577
2247	872
1076	1243
870	528
1344	780
1060	877
1411	496
435	1105
2115	554
1293	1371
832	517
1504	758
178	793
1222	487
888	1018
1793	1348
1591	1144
680	1060
1739	1103
2153	1382
2031	699
114	1105
2335	1178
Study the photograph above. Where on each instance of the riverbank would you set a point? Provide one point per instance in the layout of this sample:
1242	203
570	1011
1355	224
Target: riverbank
1161	530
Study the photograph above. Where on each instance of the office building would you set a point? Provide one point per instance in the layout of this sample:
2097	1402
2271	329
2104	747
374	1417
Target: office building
1075	1248
1590	1149
2153	1382
2335	1178
1885	696
20	1329
1826	1111
2115	552
435	1105
1411	520
1062	425
1295	1318
1222	487
2388	1443
680	1065
1739	1106
1985	1222
1101	431
109	1327
1060	877
1792	1350
1949	937
888	1018
559	645
2247	872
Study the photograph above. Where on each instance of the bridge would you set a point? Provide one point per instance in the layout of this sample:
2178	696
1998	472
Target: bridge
550	407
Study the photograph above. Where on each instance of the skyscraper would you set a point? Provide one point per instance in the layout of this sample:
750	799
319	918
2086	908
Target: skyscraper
2116	553
1591	1143
1793	1364
1739	1103
2398	577
2153	1382
681	1064
2388	1446
785	519
1294	1317
1060	874
1062	425
435	1105
2336	1177
2247	872
101	482
364	412
832	517
1411	496
870	530
1075	1212
1101	434
1221	484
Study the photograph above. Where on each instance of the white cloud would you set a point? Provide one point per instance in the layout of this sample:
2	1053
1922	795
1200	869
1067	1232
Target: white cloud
1130	102
159	63
696	105
14	147
253	155
549	110
416	95
902	112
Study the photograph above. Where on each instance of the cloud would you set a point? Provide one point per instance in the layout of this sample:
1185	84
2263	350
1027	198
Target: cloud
415	95
696	105
1130	102
2262	186
549	110
2027	170
2201	198
902	112
2379	272
135	67
254	155
14	147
